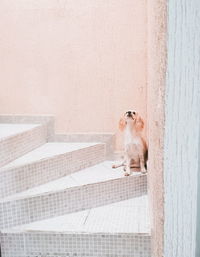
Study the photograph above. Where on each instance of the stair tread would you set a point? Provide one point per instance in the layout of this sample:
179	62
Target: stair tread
97	173
45	151
7	129
129	216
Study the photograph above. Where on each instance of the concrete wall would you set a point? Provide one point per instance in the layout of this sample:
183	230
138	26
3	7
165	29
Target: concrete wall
83	61
155	95
182	128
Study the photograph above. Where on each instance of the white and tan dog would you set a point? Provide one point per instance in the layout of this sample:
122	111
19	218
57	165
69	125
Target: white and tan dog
135	147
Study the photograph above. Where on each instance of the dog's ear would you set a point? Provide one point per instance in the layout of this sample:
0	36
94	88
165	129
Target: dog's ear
122	123
139	123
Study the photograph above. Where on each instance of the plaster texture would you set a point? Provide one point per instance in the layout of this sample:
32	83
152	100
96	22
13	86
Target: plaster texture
157	21
82	61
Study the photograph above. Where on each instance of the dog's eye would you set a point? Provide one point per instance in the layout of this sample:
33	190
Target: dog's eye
134	113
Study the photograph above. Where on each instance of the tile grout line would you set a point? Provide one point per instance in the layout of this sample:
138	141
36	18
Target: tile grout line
86	218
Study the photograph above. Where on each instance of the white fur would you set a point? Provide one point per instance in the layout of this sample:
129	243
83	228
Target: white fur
135	147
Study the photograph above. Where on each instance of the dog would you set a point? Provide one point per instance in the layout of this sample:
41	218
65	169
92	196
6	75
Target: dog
135	147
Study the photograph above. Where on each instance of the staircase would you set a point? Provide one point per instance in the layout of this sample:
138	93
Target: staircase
63	199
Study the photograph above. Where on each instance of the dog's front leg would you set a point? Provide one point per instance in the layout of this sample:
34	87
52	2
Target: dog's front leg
142	163
128	167
115	166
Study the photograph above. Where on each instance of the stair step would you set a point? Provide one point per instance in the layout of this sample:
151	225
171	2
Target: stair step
48	162
90	187
7	130
118	229
129	216
18	139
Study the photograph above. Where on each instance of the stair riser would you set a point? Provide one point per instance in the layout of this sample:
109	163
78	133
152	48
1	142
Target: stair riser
15	146
71	200
79	245
107	138
20	179
47	121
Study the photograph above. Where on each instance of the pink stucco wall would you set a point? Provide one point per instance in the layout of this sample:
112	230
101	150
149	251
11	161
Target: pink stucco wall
157	53
83	61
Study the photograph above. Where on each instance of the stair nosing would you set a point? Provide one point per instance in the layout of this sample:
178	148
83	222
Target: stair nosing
19	133
72	187
2	169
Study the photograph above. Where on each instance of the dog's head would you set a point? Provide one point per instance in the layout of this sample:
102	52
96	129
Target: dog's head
132	119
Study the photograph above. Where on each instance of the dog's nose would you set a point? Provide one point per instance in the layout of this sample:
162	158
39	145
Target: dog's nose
128	113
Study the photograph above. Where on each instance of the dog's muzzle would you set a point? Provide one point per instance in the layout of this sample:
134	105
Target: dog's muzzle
129	114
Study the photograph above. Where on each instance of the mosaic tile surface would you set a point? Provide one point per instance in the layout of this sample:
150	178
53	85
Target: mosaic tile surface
46	163
104	231
14	144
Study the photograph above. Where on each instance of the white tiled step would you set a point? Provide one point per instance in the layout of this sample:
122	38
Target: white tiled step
48	162
18	139
7	130
129	216
118	229
46	120
91	187
98	173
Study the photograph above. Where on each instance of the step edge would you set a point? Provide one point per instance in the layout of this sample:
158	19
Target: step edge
105	137
37	125
2	169
74	187
13	231
48	120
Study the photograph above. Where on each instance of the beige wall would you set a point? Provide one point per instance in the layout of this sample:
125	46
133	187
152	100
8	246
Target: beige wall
83	61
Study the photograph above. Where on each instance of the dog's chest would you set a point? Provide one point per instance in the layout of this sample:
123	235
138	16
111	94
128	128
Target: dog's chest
129	139
132	145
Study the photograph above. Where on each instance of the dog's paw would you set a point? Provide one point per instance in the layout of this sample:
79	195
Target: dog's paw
143	171
114	166
126	174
